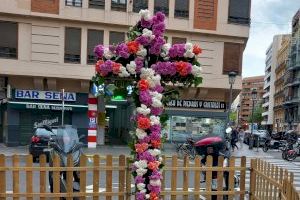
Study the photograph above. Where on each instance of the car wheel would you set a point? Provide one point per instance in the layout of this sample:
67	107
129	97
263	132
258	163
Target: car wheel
265	148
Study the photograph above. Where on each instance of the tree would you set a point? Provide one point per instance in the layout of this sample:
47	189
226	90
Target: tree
257	115
233	116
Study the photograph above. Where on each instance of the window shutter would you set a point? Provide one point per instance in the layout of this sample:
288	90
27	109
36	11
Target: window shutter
232	60
205	16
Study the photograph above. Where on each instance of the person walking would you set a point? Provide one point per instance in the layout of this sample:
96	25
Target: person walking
241	137
234	139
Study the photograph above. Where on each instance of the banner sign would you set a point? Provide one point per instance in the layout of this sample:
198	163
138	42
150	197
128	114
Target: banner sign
93	122
48	122
199	104
44	95
46	107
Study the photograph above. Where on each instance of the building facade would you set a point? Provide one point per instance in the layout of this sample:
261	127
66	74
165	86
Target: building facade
246	102
46	46
292	78
280	70
269	85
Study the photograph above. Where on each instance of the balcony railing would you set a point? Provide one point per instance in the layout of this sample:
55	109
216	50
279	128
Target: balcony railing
98	4
8	52
119	6
71	58
76	3
182	14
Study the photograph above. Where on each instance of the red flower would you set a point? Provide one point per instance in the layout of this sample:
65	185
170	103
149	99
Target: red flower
197	50
97	67
153	165
156	143
153	196
143	123
116	68
143	84
140	148
181	68
133	46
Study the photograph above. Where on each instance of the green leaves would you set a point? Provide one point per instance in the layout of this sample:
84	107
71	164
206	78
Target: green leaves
197	81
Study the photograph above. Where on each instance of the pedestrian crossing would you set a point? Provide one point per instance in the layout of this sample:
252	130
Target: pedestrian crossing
293	167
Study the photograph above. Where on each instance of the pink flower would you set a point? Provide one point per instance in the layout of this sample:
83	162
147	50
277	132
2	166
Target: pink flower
143	123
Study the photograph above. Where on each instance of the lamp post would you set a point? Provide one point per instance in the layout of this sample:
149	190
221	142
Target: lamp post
238	113
231	78
253	95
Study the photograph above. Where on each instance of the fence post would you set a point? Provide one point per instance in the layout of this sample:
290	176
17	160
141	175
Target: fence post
83	162
16	176
185	177
69	177
96	174
231	177
209	176
128	179
243	177
197	177
109	176
3	177
163	183
252	178
221	177
122	163
43	182
56	176
174	177
29	176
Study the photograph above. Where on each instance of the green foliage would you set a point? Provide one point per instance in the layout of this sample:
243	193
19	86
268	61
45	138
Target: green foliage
232	116
257	115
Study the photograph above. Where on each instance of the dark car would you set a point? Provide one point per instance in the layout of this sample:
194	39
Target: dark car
39	141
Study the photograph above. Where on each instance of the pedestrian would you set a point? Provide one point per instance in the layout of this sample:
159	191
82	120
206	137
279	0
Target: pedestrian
234	139
241	137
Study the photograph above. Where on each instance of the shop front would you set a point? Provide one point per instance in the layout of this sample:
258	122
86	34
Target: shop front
194	118
29	109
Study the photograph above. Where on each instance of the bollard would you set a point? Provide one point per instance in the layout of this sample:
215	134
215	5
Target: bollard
251	142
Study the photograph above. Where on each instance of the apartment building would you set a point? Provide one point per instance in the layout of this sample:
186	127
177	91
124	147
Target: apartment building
246	102
46	46
269	85
292	78
280	71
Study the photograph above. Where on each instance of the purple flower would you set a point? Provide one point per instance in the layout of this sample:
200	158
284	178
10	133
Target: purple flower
159	29
106	67
139	64
140	196
146	24
159	88
155	135
139	179
155	189
156	111
164	68
156	175
99	50
143	40
177	50
146	156
145	98
112	48
155	128
145	140
159	17
122	50
156	45
189	68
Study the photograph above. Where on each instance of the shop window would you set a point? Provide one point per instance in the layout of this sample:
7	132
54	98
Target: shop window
116	37
119	5
162	6
239	12
8	39
140	5
72	45
181	9
76	3
95	37
178	40
98	4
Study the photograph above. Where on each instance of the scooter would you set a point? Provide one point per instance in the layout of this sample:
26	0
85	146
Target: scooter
65	143
273	144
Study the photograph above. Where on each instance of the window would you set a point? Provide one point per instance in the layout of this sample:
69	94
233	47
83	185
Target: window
182	8
232	57
76	3
177	40
139	5
95	37
239	11
72	45
8	39
116	37
161	5
119	5
98	4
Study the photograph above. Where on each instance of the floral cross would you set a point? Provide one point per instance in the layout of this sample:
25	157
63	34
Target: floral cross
150	65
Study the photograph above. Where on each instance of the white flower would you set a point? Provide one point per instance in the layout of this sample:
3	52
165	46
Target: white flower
143	110
155	182
141	171
189	46
145	14
196	71
166	47
142	52
140	186
143	191
141	164
154	152
147	72
166	58
123	72
156	103
140	133
147	33
189	54
156	95
107	53
131	67
160	159
154	120
147	196
156	79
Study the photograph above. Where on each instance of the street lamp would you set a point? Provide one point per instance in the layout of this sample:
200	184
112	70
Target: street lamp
253	95
231	78
238	113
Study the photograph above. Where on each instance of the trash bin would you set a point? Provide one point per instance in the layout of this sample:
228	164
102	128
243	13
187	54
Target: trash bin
251	142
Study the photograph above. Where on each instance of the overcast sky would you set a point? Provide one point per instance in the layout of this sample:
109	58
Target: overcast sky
269	18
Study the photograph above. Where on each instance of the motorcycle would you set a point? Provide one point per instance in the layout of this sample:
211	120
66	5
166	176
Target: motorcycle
65	143
186	149
291	151
273	144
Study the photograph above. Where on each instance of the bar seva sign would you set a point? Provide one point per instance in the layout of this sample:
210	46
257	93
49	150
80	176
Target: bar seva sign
44	95
196	104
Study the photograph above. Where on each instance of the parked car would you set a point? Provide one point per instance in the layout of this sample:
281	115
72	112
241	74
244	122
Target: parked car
261	134
39	142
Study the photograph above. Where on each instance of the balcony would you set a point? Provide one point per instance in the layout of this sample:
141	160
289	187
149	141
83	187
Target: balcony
294	66
291	100
278	94
277	107
266	94
265	113
292	82
266	104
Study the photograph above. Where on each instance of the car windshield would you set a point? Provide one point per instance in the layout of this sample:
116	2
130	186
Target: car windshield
67	137
44	132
